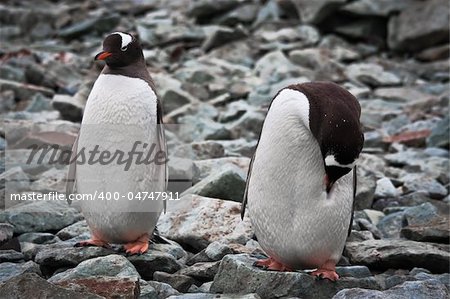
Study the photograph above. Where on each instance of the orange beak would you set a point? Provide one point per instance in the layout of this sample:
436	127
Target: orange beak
102	55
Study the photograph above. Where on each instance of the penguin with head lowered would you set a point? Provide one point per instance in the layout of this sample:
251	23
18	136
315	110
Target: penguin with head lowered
122	112
301	183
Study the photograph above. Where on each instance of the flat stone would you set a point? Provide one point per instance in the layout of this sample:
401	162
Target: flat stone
106	287
10	270
436	231
391	224
385	254
40	216
371	74
22	91
203	272
53	258
180	282
236	269
112	265
227	183
70	108
408	289
6	232
317	11
74	230
152	261
187	222
10	255
419	26
32	286
385	188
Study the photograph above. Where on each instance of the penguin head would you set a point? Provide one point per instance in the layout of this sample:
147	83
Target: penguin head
120	49
340	156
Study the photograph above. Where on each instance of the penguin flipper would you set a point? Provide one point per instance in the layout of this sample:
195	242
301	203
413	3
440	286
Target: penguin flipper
157	238
355	182
162	145
249	173
71	174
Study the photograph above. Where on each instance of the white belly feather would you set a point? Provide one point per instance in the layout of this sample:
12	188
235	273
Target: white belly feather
294	219
120	111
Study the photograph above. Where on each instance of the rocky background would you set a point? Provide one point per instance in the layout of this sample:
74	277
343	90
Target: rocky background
217	64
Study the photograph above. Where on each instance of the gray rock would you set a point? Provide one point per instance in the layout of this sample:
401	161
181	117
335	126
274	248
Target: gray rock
53	258
112	266
97	24
205	9
227	183
217	250
213	296
40	216
70	107
385	188
198	229
401	94
425	184
248	126
10	270
39	103
39	238
405	33
439	134
358	236
146	264
317	11
408	289
385	254
367	225
6	232
32	286
274	65
421	214
181	283
371	74
204	271
14	180
221	36
353	271
236	269
365	190
244	14
163	290
391	224
10	255
200	150
79	228
22	91
437	230
379	8
204	168
106	287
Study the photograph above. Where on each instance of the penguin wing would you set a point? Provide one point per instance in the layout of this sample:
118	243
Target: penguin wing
162	144
71	174
355	182
244	200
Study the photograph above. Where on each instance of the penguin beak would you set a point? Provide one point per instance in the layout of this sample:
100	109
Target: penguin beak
328	183
102	55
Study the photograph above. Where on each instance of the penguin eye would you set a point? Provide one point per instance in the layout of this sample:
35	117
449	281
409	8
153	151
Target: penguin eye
124	48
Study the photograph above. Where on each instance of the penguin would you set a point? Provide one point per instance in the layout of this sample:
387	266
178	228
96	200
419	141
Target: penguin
122	117
301	183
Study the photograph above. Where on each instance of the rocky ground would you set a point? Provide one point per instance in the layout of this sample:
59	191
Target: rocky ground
216	65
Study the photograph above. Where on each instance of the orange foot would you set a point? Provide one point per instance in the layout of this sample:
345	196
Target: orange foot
272	264
327	271
139	246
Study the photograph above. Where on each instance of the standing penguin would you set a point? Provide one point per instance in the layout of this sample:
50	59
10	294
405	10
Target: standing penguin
302	179
122	115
